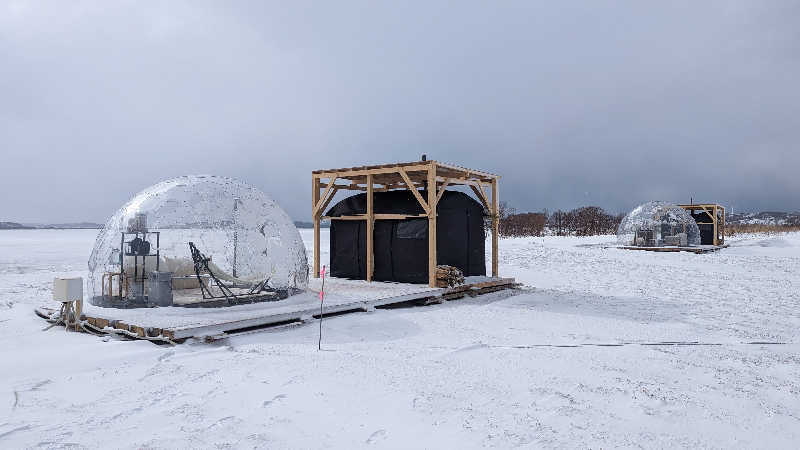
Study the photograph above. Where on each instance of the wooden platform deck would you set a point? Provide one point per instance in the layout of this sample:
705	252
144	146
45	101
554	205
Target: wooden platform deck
698	250
176	324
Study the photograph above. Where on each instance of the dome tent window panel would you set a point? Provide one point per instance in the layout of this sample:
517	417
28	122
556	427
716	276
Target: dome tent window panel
248	240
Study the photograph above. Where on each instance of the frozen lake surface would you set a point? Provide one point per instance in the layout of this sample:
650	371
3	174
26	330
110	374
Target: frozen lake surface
529	370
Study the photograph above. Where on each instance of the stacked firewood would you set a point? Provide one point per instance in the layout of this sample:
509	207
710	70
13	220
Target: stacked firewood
448	276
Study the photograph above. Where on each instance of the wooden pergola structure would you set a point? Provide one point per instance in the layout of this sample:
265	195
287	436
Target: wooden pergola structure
412	176
715	216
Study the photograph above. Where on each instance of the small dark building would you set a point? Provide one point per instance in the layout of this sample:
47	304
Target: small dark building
710	218
401	246
706	229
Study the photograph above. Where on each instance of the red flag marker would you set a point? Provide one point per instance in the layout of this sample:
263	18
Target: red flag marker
321	296
321	291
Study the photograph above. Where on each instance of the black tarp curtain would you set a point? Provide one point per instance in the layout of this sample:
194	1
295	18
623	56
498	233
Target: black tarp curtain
401	246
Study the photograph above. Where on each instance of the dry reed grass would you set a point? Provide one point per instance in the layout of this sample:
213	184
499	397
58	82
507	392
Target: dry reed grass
733	230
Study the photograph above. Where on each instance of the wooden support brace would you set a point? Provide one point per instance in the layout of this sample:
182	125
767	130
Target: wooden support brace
327	201
481	196
441	190
318	205
414	191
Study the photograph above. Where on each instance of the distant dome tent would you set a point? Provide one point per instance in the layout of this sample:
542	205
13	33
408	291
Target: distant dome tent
658	224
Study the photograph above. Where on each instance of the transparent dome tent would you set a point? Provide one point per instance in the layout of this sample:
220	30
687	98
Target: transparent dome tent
197	241
658	224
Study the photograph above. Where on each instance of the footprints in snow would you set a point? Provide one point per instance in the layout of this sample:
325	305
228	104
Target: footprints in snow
273	400
14	430
377	436
166	355
36	387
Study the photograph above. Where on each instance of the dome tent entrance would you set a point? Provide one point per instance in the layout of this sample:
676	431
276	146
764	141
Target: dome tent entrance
430	178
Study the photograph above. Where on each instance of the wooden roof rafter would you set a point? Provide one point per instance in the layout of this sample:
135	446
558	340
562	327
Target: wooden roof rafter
412	176
417	172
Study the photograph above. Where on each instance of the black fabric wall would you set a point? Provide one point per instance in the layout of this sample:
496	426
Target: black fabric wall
706	231
401	246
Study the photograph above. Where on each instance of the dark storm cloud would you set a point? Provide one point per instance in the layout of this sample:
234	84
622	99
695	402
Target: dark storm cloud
606	103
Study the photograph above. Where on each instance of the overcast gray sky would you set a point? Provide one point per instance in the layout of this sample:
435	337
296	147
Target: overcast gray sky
574	103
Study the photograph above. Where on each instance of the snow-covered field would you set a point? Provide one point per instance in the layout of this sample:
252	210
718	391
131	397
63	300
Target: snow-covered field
502	370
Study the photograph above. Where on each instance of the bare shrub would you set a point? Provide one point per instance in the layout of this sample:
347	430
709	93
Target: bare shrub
585	221
524	224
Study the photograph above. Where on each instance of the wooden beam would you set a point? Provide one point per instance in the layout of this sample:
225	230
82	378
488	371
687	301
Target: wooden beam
355	187
325	195
377	217
425	206
379	166
370	228
432	259
469	172
355	217
441	190
481	197
347	173
442	168
495	225
315	218
708	213
328	200
399	216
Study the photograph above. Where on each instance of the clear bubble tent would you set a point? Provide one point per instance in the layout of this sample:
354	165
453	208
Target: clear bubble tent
658	224
197	241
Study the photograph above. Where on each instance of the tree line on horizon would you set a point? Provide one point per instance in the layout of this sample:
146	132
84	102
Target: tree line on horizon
583	221
593	220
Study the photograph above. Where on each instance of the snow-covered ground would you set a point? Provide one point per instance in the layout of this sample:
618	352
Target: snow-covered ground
501	370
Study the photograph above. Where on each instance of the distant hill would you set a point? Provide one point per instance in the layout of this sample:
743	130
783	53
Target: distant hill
97	226
65	226
13	226
50	226
300	224
764	218
73	226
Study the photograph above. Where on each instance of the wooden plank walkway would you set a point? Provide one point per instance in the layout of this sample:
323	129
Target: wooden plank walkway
272	314
698	250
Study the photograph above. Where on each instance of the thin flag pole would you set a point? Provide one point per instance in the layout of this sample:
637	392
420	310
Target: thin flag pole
321	298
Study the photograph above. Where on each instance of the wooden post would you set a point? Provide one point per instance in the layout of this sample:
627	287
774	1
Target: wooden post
716	230
370	228
495	225
316	218
78	312
432	225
